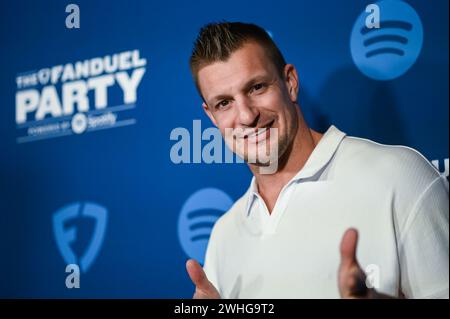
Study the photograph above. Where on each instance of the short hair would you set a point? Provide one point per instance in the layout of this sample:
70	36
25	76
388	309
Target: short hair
217	41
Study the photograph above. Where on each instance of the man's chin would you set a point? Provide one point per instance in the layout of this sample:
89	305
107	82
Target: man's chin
265	166
261	161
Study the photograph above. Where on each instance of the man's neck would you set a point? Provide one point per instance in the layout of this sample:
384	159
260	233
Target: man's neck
270	185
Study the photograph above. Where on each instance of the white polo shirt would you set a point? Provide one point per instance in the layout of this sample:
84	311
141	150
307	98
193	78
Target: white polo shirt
395	198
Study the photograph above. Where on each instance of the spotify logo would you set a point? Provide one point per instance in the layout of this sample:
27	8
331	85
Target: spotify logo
79	123
197	217
388	51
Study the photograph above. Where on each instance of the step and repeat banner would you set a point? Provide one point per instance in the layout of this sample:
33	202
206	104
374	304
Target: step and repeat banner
106	183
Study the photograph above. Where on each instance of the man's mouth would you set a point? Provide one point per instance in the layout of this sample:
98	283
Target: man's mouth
259	134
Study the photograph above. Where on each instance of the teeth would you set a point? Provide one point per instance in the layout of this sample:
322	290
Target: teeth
258	131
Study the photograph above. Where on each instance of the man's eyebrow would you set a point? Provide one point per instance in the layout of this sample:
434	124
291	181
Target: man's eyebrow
245	87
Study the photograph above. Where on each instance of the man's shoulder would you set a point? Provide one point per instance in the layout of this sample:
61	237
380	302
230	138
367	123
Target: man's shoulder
396	162
396	173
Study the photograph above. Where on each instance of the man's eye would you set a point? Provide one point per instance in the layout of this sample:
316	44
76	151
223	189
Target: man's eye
258	87
222	104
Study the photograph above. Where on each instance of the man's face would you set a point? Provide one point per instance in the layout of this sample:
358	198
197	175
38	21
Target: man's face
247	94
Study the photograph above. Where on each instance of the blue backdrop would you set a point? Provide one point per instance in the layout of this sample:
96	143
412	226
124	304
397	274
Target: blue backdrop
91	182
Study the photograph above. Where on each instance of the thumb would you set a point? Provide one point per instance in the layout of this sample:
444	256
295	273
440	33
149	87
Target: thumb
351	279
204	288
348	248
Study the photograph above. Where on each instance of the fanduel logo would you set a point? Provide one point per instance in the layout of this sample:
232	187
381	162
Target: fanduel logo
65	236
386	49
197	218
78	97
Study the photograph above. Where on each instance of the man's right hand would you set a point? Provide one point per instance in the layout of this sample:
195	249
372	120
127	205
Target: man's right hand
204	289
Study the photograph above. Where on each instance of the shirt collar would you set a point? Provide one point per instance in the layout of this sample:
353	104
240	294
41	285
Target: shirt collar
319	158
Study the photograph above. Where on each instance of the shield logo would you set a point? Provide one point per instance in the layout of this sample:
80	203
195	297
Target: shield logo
65	236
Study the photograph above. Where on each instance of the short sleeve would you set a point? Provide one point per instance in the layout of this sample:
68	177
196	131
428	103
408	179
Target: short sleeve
424	244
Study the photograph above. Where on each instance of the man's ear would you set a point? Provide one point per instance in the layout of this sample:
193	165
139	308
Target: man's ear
291	78
208	112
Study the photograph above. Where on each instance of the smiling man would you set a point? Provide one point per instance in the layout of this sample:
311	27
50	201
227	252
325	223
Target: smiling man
294	233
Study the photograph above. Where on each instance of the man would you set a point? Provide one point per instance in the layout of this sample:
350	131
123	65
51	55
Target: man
294	233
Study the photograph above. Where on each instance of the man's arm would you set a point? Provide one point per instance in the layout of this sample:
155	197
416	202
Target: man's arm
423	251
424	244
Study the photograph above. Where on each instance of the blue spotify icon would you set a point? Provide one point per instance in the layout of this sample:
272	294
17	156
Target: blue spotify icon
197	218
389	51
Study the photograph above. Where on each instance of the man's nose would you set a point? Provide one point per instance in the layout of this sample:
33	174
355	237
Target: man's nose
248	114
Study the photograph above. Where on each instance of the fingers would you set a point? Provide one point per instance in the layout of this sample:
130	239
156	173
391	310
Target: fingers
355	286
204	288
